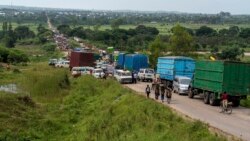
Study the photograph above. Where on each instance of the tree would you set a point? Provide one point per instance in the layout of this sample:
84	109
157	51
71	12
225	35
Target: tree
205	31
97	27
181	41
231	54
23	32
9	41
116	23
157	49
245	33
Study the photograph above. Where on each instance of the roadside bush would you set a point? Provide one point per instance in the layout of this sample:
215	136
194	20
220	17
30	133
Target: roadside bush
12	56
246	102
16	71
49	47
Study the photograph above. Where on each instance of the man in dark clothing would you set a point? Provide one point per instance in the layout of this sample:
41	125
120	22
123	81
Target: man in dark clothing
147	91
132	77
157	91
162	93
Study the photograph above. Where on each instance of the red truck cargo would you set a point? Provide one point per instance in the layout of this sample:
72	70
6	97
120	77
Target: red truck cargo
78	59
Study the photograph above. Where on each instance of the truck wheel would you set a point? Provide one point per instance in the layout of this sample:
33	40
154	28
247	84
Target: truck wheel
236	103
212	99
190	93
206	98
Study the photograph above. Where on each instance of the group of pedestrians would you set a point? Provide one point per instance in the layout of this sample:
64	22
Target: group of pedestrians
159	90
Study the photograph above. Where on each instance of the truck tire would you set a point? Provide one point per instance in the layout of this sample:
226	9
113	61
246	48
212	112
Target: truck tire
212	99
206	98
236	103
190	93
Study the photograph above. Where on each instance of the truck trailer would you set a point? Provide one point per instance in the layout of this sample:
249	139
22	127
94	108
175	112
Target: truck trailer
134	62
212	78
170	67
80	59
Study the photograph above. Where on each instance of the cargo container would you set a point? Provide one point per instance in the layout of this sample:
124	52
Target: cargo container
170	67
80	59
121	60
212	78
134	62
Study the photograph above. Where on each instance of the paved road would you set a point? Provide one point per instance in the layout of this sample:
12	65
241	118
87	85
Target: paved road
237	124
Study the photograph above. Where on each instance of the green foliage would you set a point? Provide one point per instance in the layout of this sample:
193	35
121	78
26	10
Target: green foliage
132	39
12	56
181	41
157	49
42	81
245	33
231	54
49	47
64	29
22	32
205	31
95	110
246	102
116	23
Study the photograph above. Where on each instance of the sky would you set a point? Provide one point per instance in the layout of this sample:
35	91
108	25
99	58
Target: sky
190	6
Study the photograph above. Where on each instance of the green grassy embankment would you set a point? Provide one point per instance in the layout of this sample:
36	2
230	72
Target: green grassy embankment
88	109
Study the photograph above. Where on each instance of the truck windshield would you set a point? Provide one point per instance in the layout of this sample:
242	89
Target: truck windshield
185	81
126	74
149	71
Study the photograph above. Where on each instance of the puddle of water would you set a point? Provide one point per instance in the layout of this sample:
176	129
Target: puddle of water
10	88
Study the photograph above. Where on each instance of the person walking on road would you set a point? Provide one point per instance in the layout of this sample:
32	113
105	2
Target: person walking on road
162	93
157	91
148	91
168	95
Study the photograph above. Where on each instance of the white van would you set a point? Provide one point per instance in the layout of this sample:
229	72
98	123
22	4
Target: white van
181	84
146	74
123	76
62	64
81	70
98	73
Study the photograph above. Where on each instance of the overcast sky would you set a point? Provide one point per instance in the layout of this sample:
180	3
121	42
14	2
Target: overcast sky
191	6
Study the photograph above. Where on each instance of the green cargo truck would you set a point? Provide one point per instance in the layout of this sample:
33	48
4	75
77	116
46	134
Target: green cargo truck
211	78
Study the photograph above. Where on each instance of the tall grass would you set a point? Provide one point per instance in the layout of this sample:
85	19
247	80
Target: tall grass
98	110
44	82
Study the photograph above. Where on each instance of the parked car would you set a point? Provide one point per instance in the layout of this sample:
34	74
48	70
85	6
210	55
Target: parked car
123	76
62	64
98	73
146	74
52	62
181	84
81	70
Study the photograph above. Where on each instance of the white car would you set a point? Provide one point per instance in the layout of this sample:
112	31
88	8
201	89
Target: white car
81	70
98	73
62	64
123	76
146	74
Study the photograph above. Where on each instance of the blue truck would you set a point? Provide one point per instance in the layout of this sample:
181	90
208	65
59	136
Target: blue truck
121	60
134	62
170	67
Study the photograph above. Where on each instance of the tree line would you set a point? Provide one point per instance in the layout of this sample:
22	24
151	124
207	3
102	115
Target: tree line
9	37
121	39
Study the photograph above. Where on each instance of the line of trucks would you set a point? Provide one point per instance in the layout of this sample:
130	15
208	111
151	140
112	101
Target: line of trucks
208	78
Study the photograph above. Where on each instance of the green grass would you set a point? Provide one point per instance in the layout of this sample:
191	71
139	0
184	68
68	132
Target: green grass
93	110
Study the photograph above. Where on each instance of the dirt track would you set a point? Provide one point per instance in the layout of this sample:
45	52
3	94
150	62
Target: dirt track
236	124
